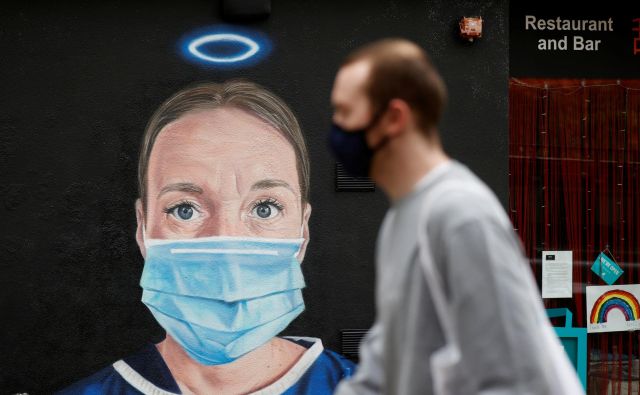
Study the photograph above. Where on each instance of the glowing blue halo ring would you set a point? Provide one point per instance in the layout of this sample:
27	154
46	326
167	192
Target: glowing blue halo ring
223	37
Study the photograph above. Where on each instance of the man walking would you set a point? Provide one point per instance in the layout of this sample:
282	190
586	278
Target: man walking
457	308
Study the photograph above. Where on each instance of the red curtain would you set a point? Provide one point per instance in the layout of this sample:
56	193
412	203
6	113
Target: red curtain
574	184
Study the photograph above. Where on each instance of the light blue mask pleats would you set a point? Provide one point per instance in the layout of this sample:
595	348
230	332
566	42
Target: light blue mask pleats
222	297
239	269
210	347
224	316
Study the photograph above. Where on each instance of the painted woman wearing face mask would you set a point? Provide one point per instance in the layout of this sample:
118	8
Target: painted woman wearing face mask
223	227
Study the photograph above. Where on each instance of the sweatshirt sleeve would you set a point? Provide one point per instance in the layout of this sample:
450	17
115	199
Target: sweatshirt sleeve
493	306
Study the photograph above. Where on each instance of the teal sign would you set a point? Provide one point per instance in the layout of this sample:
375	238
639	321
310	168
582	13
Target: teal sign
606	268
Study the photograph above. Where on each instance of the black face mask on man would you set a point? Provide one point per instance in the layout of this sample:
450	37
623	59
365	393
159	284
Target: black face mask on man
350	147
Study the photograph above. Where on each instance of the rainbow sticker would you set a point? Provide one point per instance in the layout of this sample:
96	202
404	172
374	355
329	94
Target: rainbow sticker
616	299
603	300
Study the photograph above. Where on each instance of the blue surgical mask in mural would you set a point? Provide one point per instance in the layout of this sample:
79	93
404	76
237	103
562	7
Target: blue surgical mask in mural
222	297
350	147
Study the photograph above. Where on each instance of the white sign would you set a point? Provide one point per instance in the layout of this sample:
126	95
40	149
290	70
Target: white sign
613	308
568	42
557	274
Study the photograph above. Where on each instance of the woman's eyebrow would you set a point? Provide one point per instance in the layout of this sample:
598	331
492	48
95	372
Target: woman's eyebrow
271	183
180	187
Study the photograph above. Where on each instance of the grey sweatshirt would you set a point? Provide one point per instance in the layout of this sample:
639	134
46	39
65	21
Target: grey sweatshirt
488	287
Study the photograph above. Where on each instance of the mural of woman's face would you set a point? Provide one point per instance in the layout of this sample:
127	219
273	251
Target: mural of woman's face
222	172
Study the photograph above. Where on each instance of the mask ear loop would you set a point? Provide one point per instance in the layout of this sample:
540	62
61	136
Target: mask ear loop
303	240
374	121
144	236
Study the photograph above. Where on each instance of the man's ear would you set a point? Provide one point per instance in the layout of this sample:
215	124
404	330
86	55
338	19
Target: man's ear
398	117
305	231
140	221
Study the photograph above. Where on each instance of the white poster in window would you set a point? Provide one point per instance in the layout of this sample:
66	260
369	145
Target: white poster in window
557	274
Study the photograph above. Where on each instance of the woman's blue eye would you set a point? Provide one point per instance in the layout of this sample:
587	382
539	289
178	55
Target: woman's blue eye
263	211
183	211
266	210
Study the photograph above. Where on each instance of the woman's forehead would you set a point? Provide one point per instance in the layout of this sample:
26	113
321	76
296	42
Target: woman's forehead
220	123
207	144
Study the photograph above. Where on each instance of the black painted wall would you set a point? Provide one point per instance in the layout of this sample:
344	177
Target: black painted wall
78	84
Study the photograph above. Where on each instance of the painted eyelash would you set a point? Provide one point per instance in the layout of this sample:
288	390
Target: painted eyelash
270	201
169	209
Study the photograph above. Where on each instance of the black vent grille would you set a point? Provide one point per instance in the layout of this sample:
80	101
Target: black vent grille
346	183
350	342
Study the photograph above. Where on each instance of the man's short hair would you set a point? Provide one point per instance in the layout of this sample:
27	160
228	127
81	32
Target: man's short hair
239	94
402	70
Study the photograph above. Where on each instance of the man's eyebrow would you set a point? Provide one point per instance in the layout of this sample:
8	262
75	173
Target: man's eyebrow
271	183
180	187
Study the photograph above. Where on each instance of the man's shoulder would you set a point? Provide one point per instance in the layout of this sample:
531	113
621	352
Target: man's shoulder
461	197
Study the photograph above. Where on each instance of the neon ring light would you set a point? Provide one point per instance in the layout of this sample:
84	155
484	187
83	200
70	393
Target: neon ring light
252	47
